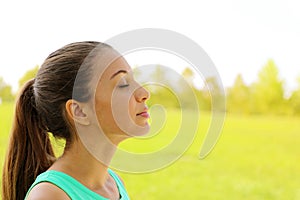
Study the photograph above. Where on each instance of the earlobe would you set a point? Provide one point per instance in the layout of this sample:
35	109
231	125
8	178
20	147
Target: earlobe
76	112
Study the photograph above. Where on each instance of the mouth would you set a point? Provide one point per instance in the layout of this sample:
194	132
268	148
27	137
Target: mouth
144	114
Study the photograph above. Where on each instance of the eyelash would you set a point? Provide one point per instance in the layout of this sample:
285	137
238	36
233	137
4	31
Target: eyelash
124	83
123	86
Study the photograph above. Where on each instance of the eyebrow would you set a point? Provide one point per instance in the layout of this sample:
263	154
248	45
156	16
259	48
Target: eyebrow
118	72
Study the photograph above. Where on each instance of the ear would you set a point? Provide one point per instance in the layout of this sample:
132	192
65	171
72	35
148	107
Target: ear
76	112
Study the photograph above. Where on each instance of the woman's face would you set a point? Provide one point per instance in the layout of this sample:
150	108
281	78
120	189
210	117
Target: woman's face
120	102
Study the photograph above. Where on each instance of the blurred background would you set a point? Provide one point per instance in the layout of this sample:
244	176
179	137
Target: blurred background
253	45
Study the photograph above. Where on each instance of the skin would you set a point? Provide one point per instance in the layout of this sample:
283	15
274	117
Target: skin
116	94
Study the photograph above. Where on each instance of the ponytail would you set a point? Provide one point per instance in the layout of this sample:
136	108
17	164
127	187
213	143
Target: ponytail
30	152
40	109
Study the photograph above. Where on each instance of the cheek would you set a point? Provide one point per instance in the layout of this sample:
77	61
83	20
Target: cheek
132	107
115	112
123	108
124	112
103	110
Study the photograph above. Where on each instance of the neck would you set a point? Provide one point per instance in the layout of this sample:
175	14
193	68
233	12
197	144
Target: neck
78	162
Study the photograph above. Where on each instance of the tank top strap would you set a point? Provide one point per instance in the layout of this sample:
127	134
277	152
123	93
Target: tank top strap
74	189
120	185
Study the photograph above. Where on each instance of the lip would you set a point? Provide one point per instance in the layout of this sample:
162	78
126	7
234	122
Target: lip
144	113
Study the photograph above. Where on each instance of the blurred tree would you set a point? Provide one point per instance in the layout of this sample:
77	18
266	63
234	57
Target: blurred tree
28	75
213	94
188	92
5	91
188	74
238	97
204	99
294	100
160	90
267	91
209	93
159	77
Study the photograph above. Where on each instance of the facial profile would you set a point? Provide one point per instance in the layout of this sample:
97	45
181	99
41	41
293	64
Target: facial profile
120	102
118	107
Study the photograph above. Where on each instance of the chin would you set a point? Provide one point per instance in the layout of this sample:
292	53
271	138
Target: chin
145	130
139	130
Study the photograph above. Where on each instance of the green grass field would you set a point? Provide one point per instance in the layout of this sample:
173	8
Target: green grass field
257	157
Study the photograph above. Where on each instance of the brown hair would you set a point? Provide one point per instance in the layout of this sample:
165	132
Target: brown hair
40	109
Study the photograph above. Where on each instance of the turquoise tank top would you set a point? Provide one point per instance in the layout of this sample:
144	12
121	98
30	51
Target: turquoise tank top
74	189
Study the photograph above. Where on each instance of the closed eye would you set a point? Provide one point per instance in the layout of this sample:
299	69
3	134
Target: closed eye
123	86
123	82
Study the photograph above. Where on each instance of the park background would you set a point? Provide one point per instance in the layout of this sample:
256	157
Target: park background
255	47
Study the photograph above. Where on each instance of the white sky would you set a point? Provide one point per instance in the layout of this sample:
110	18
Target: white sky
239	36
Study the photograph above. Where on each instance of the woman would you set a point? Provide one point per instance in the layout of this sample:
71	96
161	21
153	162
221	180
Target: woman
85	93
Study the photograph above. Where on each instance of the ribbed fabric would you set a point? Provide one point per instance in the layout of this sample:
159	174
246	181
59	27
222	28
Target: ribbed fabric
74	189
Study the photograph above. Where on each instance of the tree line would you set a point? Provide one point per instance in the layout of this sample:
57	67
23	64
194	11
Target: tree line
266	95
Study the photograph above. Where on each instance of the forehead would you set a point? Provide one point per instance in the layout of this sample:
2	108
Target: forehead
106	64
119	63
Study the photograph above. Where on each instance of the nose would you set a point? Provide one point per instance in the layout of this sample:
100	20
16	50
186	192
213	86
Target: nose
141	94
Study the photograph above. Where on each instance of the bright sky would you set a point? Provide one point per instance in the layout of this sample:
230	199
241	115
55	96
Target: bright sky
239	36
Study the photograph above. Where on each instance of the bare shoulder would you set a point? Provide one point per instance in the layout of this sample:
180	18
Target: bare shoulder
47	191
